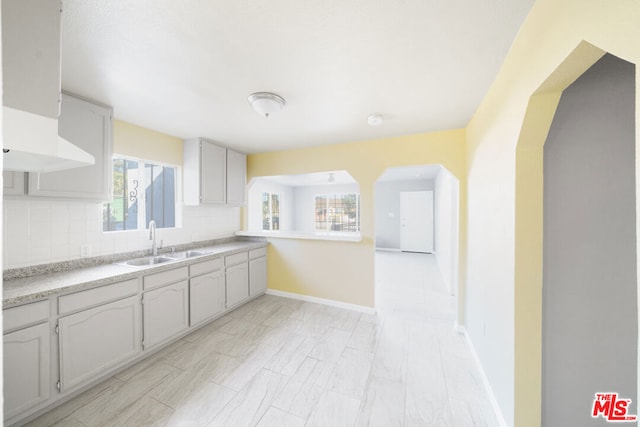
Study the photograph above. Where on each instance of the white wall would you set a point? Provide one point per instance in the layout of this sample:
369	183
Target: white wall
489	300
445	226
254	204
305	202
387	210
43	231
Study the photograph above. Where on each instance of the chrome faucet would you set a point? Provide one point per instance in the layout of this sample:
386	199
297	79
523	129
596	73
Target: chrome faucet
152	236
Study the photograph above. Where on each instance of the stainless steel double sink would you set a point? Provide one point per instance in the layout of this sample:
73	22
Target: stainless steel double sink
161	259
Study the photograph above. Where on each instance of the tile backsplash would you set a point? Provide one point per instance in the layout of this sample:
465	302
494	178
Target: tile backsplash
45	231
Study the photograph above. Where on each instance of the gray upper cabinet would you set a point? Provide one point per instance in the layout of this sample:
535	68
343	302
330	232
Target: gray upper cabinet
236	177
88	126
14	183
213	174
205	172
31	56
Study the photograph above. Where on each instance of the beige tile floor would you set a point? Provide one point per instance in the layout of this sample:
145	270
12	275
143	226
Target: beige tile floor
283	362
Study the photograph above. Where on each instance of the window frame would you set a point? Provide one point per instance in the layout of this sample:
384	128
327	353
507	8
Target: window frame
335	196
141	196
270	210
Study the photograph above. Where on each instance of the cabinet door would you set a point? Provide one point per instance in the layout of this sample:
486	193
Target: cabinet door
257	276
92	341
31	56
13	183
165	313
207	295
213	173
87	126
237	278
236	177
26	368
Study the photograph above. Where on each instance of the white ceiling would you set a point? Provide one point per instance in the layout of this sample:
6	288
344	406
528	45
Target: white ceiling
185	68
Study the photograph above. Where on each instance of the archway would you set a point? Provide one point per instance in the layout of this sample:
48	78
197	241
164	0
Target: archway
529	230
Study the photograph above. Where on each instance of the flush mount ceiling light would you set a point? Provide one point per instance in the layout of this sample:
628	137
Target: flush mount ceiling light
374	119
266	103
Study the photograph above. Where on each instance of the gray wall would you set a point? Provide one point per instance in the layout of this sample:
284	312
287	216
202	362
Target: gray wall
387	210
589	333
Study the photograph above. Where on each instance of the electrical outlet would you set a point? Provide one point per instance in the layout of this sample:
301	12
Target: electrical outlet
85	251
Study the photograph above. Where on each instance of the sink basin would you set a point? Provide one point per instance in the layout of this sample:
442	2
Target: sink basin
189	254
150	260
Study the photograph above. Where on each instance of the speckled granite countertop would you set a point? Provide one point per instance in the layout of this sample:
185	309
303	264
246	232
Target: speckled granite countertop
20	290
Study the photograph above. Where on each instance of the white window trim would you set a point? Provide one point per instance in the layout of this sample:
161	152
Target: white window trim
271	230
142	211
331	231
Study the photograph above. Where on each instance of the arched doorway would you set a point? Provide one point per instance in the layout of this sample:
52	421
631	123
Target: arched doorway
429	284
589	296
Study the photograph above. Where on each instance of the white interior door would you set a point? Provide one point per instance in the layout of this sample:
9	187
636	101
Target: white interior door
416	221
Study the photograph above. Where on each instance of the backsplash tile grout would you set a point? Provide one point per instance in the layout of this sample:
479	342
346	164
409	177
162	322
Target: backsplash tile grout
39	232
56	267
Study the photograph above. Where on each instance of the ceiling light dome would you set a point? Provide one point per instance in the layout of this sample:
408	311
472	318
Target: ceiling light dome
375	119
266	103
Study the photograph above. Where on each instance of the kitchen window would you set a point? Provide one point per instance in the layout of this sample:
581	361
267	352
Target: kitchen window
337	212
142	191
270	211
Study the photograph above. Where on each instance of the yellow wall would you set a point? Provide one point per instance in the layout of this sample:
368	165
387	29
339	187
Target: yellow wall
504	142
340	270
142	143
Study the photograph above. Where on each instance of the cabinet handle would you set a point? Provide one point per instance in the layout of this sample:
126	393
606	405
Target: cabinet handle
57	329
59	385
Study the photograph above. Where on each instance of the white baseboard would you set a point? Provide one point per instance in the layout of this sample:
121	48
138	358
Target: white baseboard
485	380
331	302
388	250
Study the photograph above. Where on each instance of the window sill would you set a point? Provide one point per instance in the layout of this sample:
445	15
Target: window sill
338	237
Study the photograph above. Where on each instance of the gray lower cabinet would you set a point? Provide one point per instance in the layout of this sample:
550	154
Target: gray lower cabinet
237	278
102	329
27	368
165	313
257	276
207	296
95	340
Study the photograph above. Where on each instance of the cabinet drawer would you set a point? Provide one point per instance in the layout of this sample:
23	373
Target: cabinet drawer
257	253
166	277
25	315
205	267
235	258
92	297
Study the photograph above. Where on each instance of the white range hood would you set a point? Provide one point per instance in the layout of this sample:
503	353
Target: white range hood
31	89
34	145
